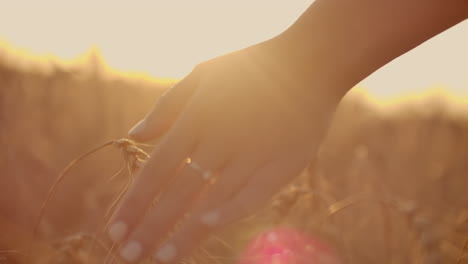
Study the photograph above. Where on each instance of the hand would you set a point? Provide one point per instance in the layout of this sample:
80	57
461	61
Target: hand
248	125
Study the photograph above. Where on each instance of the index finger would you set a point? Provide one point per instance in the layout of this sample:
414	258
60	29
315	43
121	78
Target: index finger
152	177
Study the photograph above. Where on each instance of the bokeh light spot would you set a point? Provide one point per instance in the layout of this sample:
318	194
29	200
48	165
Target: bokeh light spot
284	245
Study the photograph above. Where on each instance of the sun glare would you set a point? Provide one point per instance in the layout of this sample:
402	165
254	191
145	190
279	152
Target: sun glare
283	245
168	38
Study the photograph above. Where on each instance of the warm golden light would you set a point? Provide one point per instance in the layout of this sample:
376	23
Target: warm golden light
167	38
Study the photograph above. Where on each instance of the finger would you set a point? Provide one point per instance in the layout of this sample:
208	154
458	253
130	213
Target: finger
228	182
166	110
152	178
175	201
231	179
266	182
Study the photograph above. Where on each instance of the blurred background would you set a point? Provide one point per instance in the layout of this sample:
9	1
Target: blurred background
389	183
167	38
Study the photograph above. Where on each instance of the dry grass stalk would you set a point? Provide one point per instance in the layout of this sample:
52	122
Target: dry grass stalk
133	157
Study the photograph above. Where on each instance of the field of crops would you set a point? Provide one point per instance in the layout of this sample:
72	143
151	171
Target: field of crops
388	185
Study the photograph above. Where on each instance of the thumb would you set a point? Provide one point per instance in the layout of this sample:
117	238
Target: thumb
165	111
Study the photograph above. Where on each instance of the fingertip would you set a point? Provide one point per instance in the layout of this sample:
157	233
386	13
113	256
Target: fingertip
145	130
210	218
118	231
137	129
132	251
149	128
166	253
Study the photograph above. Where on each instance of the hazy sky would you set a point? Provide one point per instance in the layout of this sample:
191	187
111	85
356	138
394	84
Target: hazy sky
167	38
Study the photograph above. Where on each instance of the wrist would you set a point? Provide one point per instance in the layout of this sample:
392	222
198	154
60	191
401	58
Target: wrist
306	69
338	43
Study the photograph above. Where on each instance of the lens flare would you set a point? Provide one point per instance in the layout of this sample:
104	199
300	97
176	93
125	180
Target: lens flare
285	245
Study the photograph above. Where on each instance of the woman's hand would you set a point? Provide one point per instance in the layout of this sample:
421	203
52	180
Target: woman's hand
234	132
241	126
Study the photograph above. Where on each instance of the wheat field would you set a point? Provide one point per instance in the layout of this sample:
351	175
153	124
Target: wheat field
387	186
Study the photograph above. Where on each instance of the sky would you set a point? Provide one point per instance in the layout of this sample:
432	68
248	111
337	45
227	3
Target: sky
167	38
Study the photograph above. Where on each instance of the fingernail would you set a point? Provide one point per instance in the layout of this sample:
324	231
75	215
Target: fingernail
131	252
166	253
138	128
210	218
118	231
